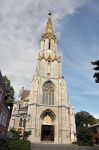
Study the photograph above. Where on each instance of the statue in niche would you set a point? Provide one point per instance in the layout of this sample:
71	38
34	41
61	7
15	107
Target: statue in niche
47	119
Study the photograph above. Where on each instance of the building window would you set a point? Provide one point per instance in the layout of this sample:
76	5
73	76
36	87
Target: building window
24	123
1	117
20	123
1	95
48	93
5	122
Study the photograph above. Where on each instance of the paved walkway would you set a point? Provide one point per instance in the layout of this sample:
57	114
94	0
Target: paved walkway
61	147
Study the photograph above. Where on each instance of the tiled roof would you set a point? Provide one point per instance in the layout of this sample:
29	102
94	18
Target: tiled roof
25	93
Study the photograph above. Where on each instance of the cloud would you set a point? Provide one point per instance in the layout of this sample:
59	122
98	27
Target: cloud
96	115
21	24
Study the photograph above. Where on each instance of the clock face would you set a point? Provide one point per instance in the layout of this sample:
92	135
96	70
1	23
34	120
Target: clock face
49	51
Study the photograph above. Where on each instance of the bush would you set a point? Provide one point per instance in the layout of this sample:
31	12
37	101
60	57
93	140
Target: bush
84	137
16	134
19	135
74	142
85	143
14	144
4	145
19	144
26	134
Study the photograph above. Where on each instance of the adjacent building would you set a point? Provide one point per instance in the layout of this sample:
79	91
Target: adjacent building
45	109
95	131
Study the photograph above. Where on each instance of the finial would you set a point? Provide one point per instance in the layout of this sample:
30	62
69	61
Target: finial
49	27
50	13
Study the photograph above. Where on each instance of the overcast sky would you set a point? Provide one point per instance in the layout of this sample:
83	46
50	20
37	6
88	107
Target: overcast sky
76	24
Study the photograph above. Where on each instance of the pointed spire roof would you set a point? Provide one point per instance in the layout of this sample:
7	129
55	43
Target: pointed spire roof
49	32
49	26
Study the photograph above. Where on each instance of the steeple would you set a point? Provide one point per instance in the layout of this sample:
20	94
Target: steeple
49	26
48	38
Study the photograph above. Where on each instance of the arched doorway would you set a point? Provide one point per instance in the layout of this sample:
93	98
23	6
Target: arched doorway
47	133
47	126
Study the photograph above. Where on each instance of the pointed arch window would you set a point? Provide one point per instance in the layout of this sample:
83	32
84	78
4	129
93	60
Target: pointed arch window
24	123
48	93
20	123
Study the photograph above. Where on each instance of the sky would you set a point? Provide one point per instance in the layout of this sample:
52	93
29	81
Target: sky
76	25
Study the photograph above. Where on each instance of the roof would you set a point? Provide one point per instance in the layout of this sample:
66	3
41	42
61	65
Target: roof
24	93
94	125
49	32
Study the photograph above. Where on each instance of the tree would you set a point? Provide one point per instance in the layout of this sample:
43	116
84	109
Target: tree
83	121
96	75
9	96
26	134
16	134
84	118
84	136
97	120
19	134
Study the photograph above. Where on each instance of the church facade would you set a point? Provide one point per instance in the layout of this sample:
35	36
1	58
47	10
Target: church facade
45	109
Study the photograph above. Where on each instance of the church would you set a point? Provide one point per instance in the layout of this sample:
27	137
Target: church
45	109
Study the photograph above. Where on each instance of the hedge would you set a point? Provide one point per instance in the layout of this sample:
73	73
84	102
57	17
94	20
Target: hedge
14	144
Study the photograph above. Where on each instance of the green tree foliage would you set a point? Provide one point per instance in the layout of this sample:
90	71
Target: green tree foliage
16	134
96	68
97	120
84	136
14	144
26	134
9	94
83	120
19	144
19	135
4	145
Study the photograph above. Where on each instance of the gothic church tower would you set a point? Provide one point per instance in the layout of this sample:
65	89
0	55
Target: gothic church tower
49	115
52	116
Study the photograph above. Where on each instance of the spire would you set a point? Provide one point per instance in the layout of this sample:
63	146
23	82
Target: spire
48	38
49	26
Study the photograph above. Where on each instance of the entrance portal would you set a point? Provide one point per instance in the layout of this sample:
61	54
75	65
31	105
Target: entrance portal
47	133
